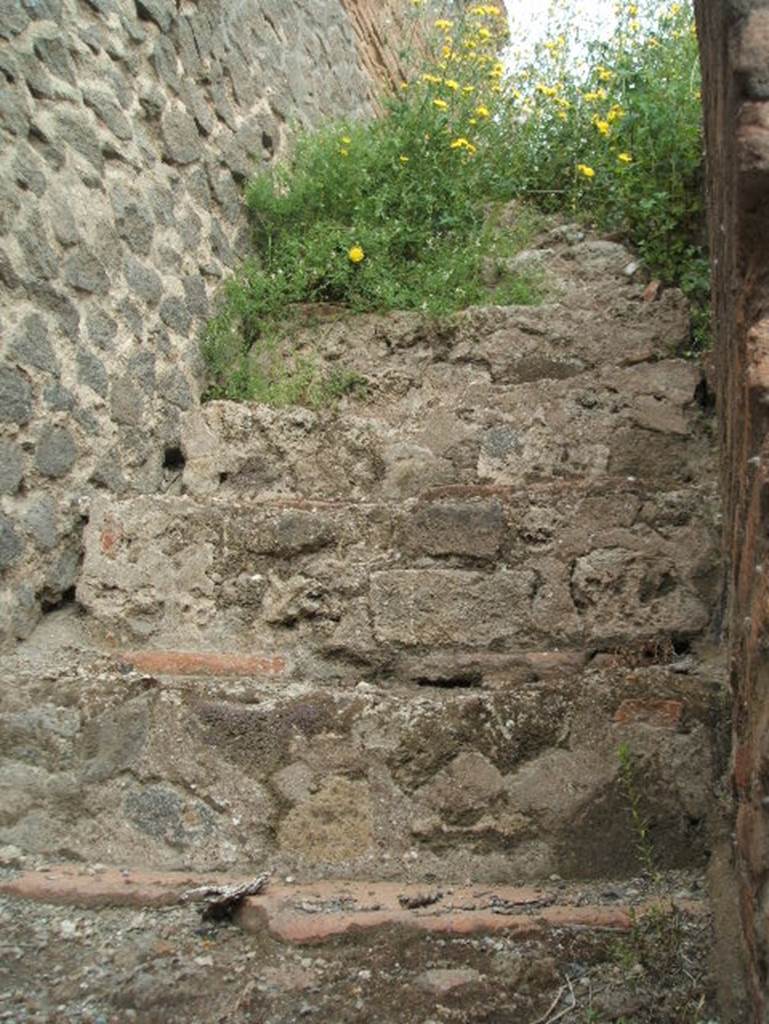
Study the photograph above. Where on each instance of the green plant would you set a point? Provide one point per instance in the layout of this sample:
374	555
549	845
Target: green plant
639	822
393	214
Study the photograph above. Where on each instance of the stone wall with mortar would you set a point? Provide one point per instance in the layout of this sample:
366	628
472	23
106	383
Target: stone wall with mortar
127	129
735	57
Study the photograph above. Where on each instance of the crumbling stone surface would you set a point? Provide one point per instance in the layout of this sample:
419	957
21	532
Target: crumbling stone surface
117	765
126	132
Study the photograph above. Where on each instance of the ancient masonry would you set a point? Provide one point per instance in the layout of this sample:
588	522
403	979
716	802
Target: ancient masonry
389	652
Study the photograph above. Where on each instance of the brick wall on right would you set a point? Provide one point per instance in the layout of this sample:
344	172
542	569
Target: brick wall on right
734	38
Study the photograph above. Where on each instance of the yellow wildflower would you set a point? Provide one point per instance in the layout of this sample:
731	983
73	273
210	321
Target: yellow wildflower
356	254
346	140
344	152
444	25
482	111
632	10
547	90
432	79
467	89
440	104
604	74
585	171
451	84
464	144
403	159
603	126
625	158
615	113
483	33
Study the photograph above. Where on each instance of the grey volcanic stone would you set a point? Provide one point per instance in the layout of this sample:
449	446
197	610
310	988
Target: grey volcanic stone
62	308
29	169
101	328
11	545
195	293
133	221
11	467
64	226
30	345
141	369
13	18
26	611
126	402
160	11
64	572
144	282
9	205
40	257
107	109
85	272
59	398
174	387
55	55
152	102
8	275
56	452
91	372
14	111
77	132
15	396
174	314
40	522
181	142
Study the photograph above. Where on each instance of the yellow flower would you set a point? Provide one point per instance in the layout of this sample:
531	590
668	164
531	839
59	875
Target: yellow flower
464	144
346	140
482	111
403	159
472	120
432	79
602	126
404	85
356	254
440	104
615	113
483	33
604	74
625	158
444	25
344	152
586	171
451	84
632	10
467	89
547	90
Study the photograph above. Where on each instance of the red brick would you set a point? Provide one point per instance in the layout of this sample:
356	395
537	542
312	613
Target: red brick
663	714
203	663
106	887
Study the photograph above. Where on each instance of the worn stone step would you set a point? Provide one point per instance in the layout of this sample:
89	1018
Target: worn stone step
349	590
315	911
100	762
612	948
585	328
457	426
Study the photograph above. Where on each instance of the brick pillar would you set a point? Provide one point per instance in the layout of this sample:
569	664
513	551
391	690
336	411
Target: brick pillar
734	39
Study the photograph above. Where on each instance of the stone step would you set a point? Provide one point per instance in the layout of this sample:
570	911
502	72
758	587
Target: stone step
458	427
344	590
101	762
318	951
307	912
590	328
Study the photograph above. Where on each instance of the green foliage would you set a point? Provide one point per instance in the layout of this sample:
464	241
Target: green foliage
392	214
397	213
639	822
613	133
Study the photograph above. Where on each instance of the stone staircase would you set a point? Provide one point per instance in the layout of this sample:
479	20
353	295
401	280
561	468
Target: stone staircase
398	646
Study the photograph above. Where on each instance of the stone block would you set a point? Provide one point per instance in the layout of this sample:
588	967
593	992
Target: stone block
55	452
15	396
181	141
451	607
11	545
469	528
11	467
84	271
30	346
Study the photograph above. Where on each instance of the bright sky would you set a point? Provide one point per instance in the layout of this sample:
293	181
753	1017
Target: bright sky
529	17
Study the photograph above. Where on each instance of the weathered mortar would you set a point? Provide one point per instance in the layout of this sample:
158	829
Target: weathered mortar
735	56
126	132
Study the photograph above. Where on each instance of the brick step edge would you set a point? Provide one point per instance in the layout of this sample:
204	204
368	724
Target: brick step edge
314	911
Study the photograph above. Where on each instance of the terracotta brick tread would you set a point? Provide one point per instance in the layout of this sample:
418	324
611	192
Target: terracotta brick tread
313	911
203	663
